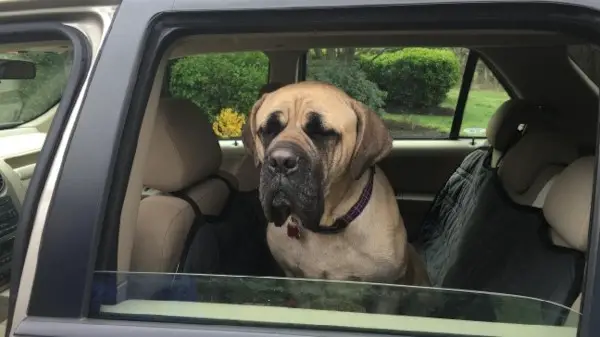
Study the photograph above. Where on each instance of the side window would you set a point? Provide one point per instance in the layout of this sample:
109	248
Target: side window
485	97
415	90
223	85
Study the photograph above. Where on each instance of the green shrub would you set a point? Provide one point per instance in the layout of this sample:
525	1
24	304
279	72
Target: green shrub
349	77
413	77
218	81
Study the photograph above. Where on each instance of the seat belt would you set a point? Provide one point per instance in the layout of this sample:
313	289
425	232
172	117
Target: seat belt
200	218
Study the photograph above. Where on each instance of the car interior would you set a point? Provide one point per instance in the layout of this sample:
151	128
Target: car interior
542	141
553	122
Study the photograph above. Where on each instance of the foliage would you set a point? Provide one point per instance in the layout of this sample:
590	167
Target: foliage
228	124
349	77
216	81
413	77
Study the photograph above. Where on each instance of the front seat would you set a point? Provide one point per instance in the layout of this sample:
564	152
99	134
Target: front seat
568	209
183	160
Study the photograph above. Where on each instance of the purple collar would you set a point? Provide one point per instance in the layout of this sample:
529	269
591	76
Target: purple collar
342	222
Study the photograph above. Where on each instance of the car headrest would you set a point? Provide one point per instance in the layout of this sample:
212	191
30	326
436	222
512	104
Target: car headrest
183	149
503	126
568	204
538	150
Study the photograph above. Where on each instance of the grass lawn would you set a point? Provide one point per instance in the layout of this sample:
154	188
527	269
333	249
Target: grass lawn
480	107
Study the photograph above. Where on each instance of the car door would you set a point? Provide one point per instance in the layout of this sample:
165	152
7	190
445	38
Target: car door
36	109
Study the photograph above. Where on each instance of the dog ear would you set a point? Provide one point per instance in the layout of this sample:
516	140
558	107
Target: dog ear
373	140
249	130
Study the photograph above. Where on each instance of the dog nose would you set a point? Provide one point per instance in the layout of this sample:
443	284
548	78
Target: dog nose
283	161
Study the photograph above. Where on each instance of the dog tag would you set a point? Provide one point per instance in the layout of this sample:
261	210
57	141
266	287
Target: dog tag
293	231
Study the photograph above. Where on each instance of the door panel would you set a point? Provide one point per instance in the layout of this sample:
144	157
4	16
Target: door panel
20	149
417	170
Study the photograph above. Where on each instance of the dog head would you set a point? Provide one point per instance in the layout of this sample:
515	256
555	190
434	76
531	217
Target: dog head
307	136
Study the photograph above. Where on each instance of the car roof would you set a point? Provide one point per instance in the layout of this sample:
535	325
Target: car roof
15	5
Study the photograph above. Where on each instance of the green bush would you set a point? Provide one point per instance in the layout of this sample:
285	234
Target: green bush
349	77
413	77
217	81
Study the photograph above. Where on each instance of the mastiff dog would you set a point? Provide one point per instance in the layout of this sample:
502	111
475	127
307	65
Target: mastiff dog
332	212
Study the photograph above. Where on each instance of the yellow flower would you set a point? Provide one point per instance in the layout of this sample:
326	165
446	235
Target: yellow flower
228	123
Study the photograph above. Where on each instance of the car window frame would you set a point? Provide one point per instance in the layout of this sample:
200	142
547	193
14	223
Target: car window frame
40	32
71	287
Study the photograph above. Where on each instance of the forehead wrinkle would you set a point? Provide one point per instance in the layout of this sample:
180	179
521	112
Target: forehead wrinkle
267	110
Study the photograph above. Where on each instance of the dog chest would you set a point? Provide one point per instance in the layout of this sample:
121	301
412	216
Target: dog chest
319	256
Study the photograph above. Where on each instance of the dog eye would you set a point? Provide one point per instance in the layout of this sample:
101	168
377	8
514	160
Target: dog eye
314	128
272	127
320	132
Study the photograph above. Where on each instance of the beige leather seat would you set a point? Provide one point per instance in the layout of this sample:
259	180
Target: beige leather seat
184	156
528	169
568	207
503	129
247	174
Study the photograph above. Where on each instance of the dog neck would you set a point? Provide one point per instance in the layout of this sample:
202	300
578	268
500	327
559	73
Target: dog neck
347	198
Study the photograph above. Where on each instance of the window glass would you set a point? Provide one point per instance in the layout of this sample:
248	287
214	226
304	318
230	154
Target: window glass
24	99
485	97
415	90
223	85
202	298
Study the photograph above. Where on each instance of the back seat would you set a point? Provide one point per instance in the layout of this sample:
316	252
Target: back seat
442	227
483	232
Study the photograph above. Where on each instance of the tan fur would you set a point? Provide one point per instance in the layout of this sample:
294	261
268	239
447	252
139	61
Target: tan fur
374	247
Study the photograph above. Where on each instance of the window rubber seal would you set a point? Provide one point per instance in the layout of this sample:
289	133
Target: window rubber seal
463	96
